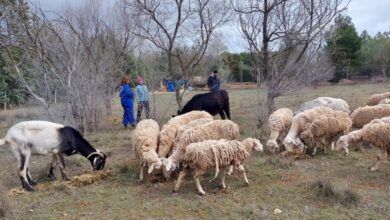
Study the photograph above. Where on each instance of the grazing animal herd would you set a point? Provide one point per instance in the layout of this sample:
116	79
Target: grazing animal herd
193	142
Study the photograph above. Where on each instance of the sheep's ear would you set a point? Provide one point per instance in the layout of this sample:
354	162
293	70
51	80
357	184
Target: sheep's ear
151	168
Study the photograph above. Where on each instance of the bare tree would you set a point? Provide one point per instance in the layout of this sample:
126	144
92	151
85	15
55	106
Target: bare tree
78	57
284	38
181	29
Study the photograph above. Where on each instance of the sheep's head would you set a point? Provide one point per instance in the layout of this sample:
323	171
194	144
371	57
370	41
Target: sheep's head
168	167
272	145
343	143
257	145
97	159
291	143
155	166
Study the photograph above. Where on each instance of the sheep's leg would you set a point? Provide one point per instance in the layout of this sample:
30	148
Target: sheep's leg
223	185
141	173
30	180
230	172
314	151
62	167
24	160
382	155
197	183
182	174
242	169
53	165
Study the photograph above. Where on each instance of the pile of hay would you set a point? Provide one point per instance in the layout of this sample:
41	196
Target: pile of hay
75	182
89	178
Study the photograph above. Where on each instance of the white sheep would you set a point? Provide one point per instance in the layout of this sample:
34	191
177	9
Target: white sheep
279	122
42	137
377	133
333	103
376	98
363	115
169	130
213	130
191	125
145	139
203	156
292	141
325	129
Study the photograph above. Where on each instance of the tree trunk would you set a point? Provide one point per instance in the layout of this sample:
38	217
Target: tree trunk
179	97
270	102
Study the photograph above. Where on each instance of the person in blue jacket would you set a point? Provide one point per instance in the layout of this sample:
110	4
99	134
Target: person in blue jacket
126	96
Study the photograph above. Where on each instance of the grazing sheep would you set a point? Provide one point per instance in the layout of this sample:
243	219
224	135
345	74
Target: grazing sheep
377	133
168	131
203	156
376	98
292	141
145	139
42	137
326	128
279	122
213	130
363	115
333	103
385	101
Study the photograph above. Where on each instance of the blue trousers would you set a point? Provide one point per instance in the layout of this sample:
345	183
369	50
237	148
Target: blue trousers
128	115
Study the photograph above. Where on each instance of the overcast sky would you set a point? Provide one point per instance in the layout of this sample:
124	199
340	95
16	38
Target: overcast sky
370	15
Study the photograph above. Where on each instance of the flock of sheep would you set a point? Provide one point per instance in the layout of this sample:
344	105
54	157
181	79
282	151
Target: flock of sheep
326	121
196	142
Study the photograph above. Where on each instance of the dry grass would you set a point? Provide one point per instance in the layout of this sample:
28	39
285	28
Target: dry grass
274	182
326	190
6	210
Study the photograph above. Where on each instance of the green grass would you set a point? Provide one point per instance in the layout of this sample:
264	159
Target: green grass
274	182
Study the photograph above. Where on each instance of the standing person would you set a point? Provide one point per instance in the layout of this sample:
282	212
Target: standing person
213	81
126	96
142	98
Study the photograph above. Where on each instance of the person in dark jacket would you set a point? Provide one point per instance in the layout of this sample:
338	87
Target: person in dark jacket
213	81
126	96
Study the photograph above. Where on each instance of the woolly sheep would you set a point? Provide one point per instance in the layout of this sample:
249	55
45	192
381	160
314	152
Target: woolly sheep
376	98
191	125
363	115
377	132
213	130
145	138
43	137
168	131
333	103
203	156
279	122
326	128
292	141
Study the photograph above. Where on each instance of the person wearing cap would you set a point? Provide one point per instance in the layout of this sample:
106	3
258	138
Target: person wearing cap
142	98
126	96
213	81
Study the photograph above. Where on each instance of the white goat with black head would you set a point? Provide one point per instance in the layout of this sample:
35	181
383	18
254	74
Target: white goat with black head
42	137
